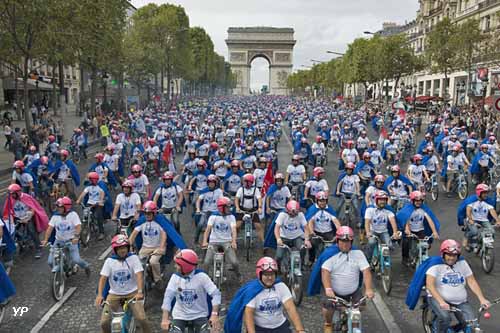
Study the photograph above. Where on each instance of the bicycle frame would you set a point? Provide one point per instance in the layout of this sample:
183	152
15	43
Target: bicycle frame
350	314
422	247
122	321
383	255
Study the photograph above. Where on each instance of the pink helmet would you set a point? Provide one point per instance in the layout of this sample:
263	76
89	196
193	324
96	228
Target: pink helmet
366	155
482	188
350	165
379	179
279	176
201	163
18	165
44	160
119	241
99	157
484	146
450	246
14	188
321	195
51	138
187	260
64	153
417	157
32	149
319	138
93	177
318	171
292	206
223	202
235	164
64	202
212	178
136	168
149	207
128	183
416	195
344	232
110	148
249	178
265	264
168	175
350	143
381	195
395	168
295	158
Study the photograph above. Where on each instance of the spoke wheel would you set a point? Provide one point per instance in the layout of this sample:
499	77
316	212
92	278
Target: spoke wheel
57	284
85	234
435	192
387	279
462	191
427	319
297	290
488	260
2	312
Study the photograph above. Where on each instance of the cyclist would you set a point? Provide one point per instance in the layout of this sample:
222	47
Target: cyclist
481	164
295	174
319	151
248	199
23	177
128	204
189	288
365	170
397	185
446	282
454	163
140	182
221	233
349	155
378	220
277	196
232	181
206	204
52	148
65	172
417	172
169	197
112	160
95	197
67	226
315	185
260	172
153	153
418	219
124	273
200	175
31	156
348	185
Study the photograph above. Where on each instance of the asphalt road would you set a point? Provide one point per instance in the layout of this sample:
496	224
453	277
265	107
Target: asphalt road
78	314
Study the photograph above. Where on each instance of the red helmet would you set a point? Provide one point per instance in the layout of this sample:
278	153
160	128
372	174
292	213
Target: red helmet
128	183
52	138
99	157
317	171
32	148
223	202
235	164
93	177
295	158
265	264
149	207
350	165
214	146
484	146
381	195
482	188
212	178
249	178
187	260
395	168
456	148
450	246
417	157
110	148
136	168
44	160
416	195
366	155
350	143
18	165
201	163
64	153
319	138
279	176
152	141
168	175
14	188
344	233
292	206
64	202
321	195
119	241
379	178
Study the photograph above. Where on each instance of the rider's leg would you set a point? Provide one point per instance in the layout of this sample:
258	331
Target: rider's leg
35	236
471	233
75	257
443	318
466	313
327	310
488	227
114	301
372	242
259	228
209	258
99	216
140	316
231	257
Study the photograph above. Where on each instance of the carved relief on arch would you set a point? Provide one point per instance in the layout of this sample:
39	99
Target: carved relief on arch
268	54
282	57
238	57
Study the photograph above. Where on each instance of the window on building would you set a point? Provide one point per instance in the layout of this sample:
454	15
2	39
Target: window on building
487	23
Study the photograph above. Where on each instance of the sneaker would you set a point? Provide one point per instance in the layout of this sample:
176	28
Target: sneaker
38	254
87	271
100	237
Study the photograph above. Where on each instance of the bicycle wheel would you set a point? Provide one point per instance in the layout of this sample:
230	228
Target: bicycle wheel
427	319
434	192
85	233
297	290
57	284
488	260
2	312
247	249
462	191
386	277
132	327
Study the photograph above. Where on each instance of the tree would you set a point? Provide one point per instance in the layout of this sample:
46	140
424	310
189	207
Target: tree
441	47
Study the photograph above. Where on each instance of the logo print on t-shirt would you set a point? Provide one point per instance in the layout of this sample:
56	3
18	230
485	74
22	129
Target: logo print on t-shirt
270	305
221	228
63	227
188	297
453	279
121	277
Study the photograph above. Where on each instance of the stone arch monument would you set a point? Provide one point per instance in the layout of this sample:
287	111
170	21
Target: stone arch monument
273	44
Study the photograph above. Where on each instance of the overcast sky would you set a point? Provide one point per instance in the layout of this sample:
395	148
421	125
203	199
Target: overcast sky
320	25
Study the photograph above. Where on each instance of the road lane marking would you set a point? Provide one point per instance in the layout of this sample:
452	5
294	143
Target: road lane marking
52	310
385	314
287	139
105	254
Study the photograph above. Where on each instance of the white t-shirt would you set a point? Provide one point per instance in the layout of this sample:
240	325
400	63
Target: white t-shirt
291	227
190	296
379	218
279	197
316	186
451	281
344	271
323	221
20	209
151	234
153	152
169	195
140	184
350	155
127	204
454	162
233	182
221	228
94	192
65	226
295	173
417	219
24	179
209	200
268	305
121	274
248	197
349	184
417	172
112	161
480	210
63	172
100	171
259	175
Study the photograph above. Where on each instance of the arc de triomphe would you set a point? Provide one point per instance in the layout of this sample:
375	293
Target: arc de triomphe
273	44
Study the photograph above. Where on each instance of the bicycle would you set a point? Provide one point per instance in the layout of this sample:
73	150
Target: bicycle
190	326
400	200
123	321
459	185
292	270
350	316
125	226
172	214
485	249
61	270
248	238
323	243
218	269
89	225
347	214
22	236
381	263
295	190
422	248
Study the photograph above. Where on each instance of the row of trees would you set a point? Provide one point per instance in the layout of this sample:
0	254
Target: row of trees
448	47
99	37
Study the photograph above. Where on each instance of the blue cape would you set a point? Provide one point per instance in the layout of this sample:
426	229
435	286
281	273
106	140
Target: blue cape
9	242
314	284
404	214
389	180
270	241
462	208
474	166
418	280
7	288
111	177
108	202
72	169
173	238
33	166
361	164
238	303
422	145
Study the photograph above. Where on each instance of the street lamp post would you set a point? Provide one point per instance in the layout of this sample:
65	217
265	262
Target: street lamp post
104	88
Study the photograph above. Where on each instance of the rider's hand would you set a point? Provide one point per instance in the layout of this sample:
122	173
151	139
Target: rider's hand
234	245
407	232
444	306
435	235
43	243
214	322
369	293
74	241
485	304
329	293
259	211
368	234
204	244
279	241
98	301
139	296
165	324
308	243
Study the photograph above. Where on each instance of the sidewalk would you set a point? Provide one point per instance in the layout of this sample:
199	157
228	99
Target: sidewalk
70	121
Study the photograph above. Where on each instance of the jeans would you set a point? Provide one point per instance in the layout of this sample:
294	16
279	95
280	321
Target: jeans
472	230
292	243
372	242
229	254
314	251
410	244
74	253
443	317
284	328
354	203
194	326
98	212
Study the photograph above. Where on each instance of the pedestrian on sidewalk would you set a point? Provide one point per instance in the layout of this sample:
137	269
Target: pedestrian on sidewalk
34	111
16	146
8	136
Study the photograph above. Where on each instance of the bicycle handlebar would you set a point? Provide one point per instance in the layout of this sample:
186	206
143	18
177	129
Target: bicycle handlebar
348	304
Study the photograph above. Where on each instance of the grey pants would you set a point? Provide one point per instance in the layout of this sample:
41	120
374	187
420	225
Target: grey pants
229	254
